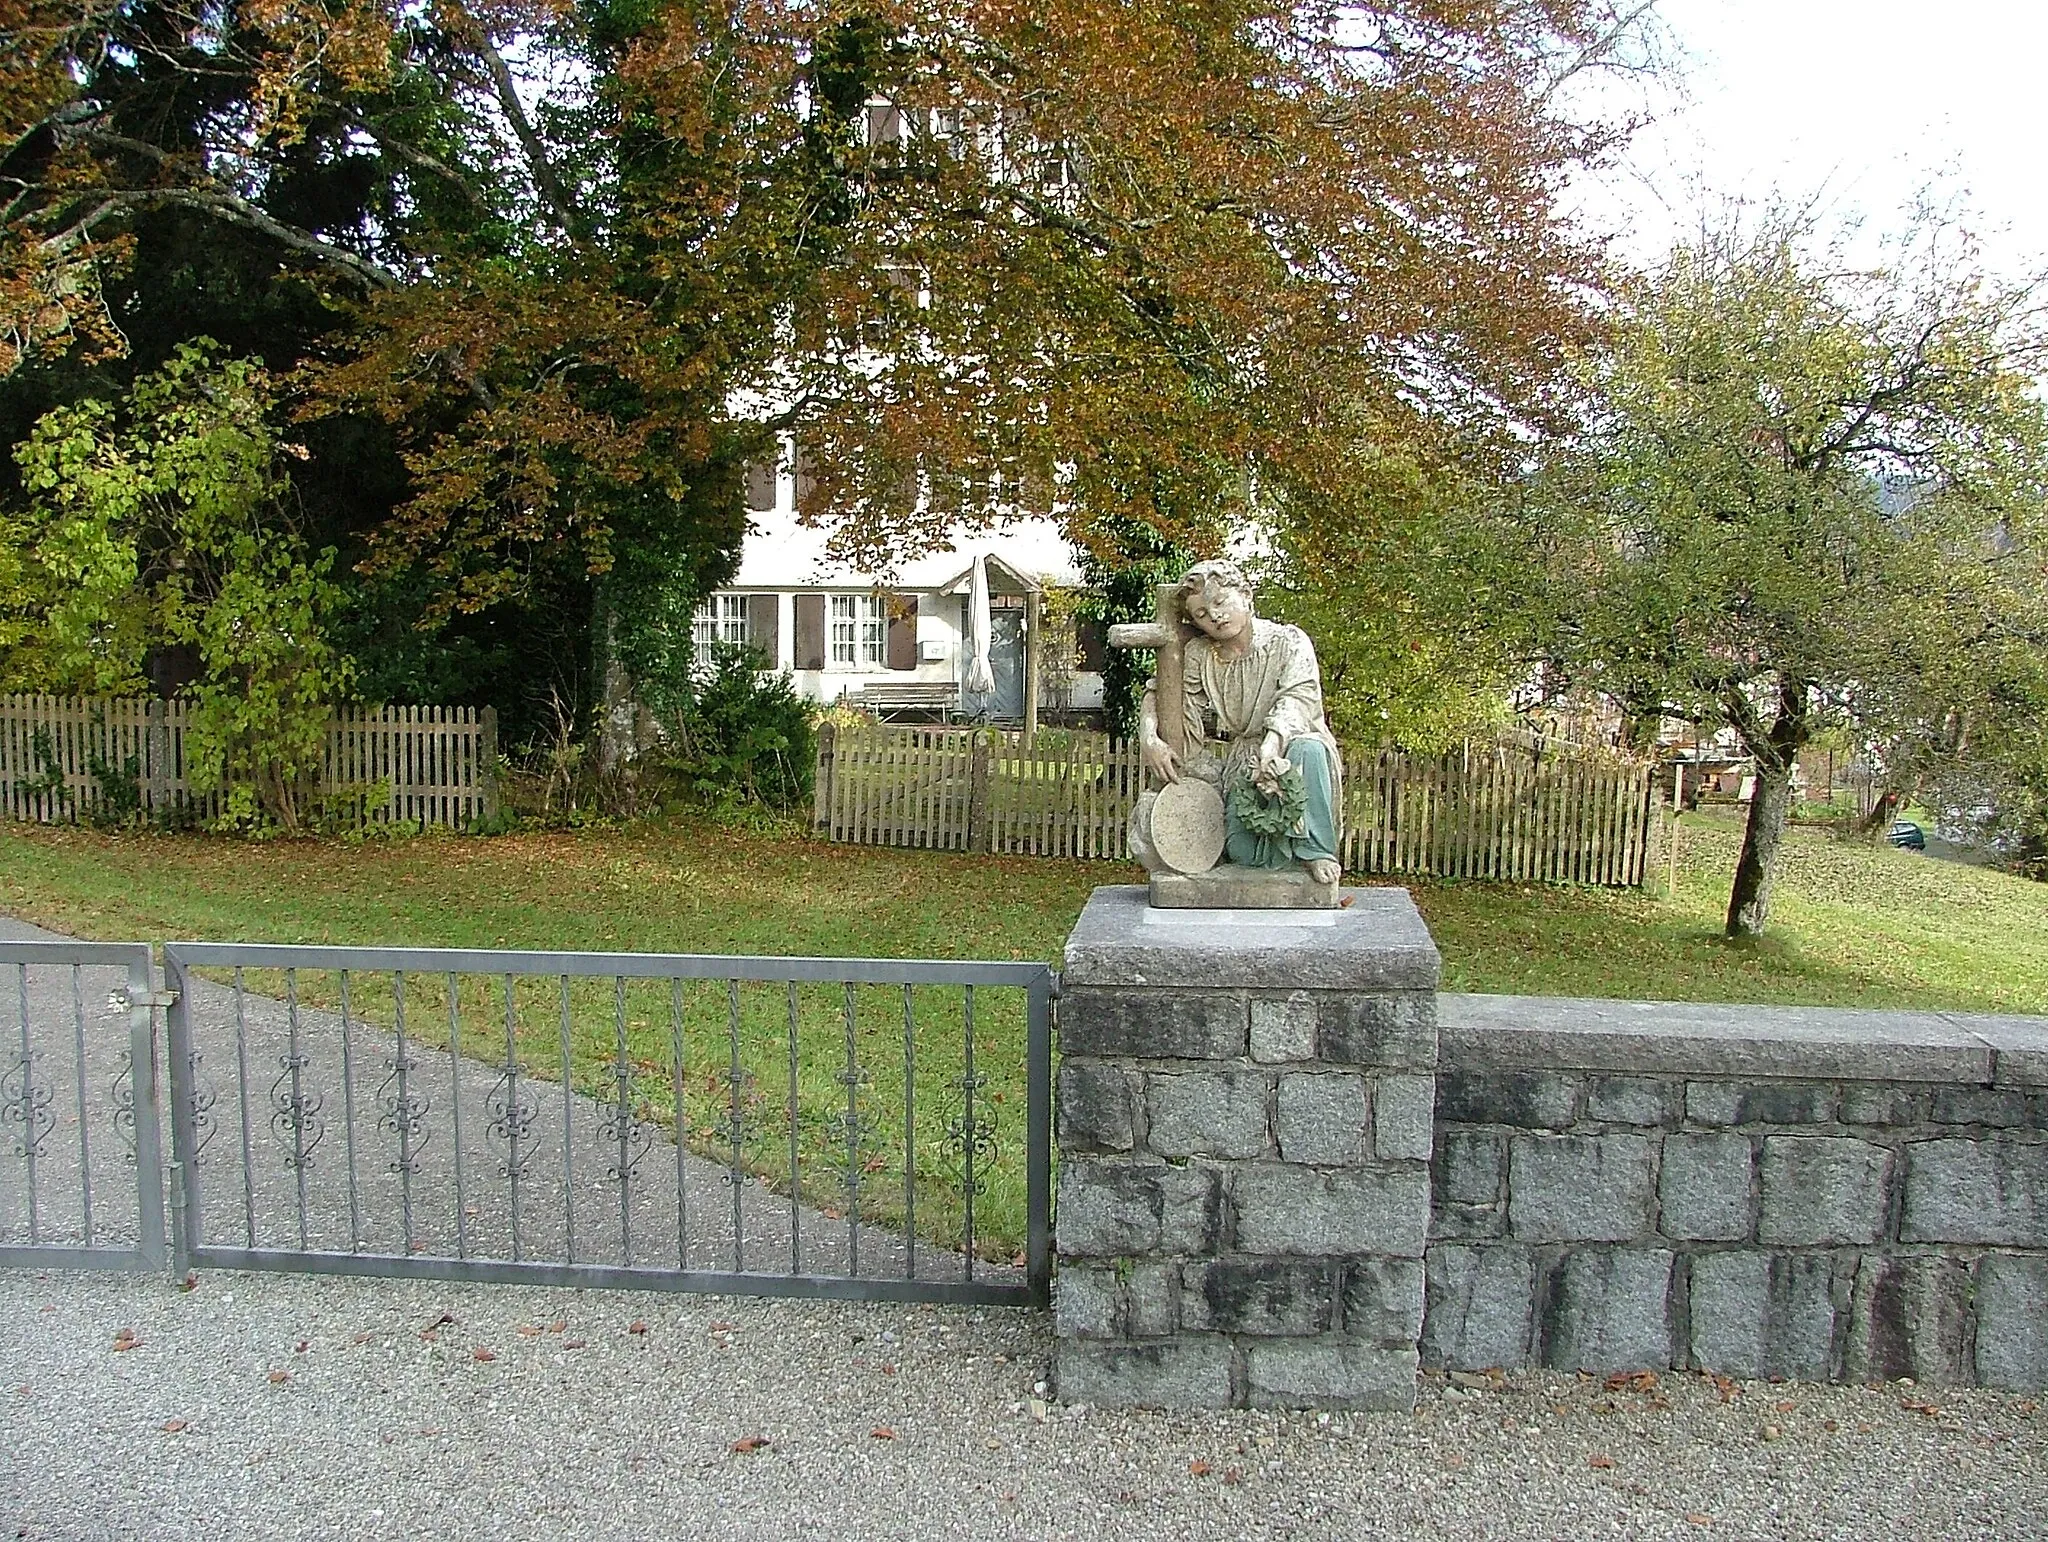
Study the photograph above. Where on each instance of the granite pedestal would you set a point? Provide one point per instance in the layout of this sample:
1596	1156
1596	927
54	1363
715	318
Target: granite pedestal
1245	1108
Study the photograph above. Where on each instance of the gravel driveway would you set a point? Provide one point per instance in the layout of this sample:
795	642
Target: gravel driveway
287	1406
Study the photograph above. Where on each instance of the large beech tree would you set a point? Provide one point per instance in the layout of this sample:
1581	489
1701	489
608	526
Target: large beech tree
1814	494
1150	261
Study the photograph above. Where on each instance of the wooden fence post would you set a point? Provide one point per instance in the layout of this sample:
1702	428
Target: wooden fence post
980	827
487	761
821	777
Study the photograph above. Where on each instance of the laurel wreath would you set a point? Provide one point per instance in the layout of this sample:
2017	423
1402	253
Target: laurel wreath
1269	814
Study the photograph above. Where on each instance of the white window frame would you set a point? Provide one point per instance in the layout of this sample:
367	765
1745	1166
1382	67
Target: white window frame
719	618
859	631
844	611
704	628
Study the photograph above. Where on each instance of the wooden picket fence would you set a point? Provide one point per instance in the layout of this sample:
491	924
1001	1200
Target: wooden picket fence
1507	811
430	764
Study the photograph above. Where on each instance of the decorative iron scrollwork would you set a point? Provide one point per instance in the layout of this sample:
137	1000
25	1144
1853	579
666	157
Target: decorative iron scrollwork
512	1108
205	1098
404	1114
971	1133
25	1105
624	1130
295	1113
123	1092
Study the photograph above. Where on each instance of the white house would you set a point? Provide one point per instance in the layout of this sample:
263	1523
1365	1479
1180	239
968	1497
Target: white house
910	644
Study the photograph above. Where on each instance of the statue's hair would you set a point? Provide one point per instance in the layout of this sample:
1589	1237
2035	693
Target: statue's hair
1220	574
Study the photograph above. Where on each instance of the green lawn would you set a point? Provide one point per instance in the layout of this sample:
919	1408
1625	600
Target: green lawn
1853	924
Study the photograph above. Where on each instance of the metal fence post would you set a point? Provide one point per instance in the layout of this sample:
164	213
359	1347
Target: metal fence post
145	1067
184	1164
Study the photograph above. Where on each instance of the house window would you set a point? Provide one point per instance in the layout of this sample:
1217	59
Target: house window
860	629
719	618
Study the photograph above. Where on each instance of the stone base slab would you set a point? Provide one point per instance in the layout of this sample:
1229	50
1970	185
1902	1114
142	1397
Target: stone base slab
1231	887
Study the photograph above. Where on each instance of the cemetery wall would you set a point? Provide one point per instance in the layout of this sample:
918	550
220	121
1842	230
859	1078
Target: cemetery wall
1291	1173
1759	1191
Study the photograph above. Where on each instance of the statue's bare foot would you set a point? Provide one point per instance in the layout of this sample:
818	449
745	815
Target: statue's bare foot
1324	870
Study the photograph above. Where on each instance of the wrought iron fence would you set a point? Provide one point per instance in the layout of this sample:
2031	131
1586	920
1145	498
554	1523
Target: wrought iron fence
79	1108
792	1126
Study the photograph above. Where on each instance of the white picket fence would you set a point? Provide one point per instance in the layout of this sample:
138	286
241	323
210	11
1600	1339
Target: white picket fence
58	755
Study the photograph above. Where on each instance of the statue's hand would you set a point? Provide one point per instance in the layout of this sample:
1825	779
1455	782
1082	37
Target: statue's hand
1159	758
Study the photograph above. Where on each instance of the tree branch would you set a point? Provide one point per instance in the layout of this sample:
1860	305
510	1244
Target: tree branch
545	177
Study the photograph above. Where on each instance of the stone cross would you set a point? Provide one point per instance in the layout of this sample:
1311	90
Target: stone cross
1167	637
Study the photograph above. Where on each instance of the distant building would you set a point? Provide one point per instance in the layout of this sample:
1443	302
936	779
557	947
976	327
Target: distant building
907	646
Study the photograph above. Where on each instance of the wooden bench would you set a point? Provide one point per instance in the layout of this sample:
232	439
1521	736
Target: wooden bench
887	698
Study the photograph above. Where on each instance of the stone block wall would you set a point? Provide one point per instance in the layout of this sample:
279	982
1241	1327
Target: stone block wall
1757	1191
1291	1172
1244	1177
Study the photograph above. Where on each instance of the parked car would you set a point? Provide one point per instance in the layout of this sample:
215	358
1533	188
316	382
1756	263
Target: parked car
1906	835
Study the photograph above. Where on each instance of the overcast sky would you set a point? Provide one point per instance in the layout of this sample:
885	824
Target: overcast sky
1856	103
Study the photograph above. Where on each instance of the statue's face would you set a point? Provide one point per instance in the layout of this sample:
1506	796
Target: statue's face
1223	613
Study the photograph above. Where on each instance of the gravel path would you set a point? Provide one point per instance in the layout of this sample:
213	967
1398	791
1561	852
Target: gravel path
286	1406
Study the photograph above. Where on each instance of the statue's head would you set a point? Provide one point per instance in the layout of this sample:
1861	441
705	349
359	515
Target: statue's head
1217	599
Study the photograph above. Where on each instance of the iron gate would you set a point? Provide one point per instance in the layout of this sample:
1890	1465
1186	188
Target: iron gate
871	1128
79	1109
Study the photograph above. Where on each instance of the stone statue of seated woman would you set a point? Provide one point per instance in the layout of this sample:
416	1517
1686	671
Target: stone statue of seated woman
1252	708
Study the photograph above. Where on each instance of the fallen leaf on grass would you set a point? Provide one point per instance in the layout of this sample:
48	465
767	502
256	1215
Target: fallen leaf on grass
482	1355
746	1445
1600	1461
888	1370
573	1343
302	1346
1929	1410
1233	1475
279	1378
636	1326
172	1426
882	1432
1199	1469
362	1338
724	1327
558	1325
1725	1385
527	1330
1695	1518
1632	1381
124	1339
1785	1407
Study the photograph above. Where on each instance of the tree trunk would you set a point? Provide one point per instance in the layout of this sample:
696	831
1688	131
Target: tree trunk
1775	751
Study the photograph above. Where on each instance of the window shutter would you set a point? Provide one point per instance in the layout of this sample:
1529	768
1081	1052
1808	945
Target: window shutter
902	649
810	631
760	486
806	482
1089	637
763	611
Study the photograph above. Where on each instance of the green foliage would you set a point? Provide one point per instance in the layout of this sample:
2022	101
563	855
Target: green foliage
1812	496
743	736
1419	585
162	525
1122	566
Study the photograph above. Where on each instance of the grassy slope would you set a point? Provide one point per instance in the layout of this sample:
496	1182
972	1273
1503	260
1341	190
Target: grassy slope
1852	924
